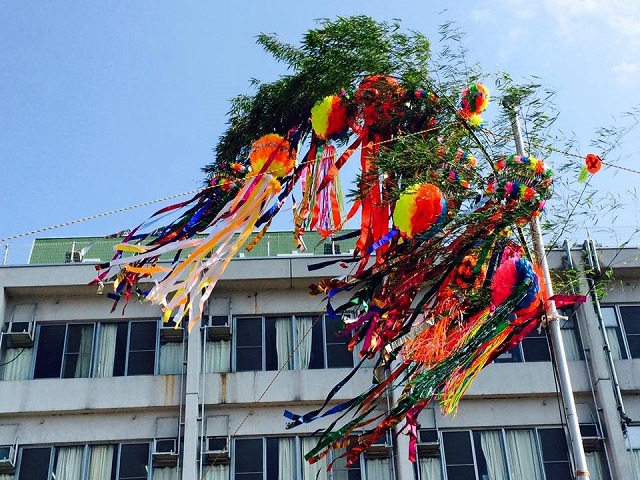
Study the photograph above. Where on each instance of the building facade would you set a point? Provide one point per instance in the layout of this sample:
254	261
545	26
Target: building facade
92	395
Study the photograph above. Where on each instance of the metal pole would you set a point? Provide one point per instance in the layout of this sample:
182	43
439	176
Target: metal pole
555	335
6	254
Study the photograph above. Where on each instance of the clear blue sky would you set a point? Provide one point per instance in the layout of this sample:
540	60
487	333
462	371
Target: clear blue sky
109	104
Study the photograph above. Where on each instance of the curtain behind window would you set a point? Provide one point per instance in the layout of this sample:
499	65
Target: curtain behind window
430	468
107	350
491	442
378	468
595	466
523	455
171	357
16	363
217	356
284	342
310	470
100	462
69	464
83	364
167	473
304	324
286	459
215	472
635	463
570	342
7	476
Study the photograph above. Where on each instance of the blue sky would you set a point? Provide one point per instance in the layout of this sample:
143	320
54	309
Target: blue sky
109	104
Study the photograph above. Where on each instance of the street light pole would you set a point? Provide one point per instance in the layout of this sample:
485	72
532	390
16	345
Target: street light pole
555	335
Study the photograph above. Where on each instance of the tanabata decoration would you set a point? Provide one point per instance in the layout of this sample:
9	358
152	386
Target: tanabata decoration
442	281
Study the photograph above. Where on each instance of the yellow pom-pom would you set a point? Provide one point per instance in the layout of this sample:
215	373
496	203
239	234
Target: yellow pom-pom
418	209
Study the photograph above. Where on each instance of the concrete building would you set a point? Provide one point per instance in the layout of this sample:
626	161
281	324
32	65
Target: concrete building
89	394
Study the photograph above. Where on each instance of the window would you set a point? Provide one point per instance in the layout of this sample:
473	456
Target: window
633	437
283	458
535	346
509	454
64	351
86	349
126	461
622	324
290	342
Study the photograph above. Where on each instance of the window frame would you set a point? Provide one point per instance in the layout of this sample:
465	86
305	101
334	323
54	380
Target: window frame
621	331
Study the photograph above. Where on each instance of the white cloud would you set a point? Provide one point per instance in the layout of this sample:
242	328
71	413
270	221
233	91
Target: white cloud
480	15
627	74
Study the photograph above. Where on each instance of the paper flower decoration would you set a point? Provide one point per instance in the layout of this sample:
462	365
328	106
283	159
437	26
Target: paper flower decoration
418	209
329	117
380	97
593	163
272	154
475	99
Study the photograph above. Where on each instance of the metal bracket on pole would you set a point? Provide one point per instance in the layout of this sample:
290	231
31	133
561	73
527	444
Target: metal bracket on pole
555	335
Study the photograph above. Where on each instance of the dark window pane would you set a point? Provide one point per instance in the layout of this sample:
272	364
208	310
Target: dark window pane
272	458
141	363
248	359
120	359
143	336
49	351
461	472
249	476
631	319
339	356
554	444
536	349
457	448
134	461
249	332
270	352
558	471
634	345
248	456
35	464
510	356
317	346
481	461
78	349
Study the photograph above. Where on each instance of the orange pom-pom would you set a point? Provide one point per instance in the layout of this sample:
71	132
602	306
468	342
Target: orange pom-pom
272	154
593	163
418	209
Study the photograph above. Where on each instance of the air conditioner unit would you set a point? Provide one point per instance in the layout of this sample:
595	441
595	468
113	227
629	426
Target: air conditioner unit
216	450
591	437
381	448
73	257
7	459
170	333
218	327
20	333
428	442
165	452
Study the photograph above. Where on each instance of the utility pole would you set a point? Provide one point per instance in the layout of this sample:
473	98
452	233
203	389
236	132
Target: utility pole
553	327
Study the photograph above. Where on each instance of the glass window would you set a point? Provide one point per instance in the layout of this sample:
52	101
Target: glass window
64	351
134	461
508	454
622	325
290	341
35	464
134	349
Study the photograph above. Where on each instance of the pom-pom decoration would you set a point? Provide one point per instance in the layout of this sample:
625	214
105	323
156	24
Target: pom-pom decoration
380	99
475	99
418	209
329	118
593	163
272	154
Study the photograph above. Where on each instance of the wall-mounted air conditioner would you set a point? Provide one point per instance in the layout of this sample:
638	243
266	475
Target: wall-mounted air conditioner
216	450
165	452
218	319
21	326
171	333
381	448
591	437
428	442
8	458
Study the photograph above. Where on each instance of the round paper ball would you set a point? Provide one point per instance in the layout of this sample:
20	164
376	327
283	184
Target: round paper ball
276	151
418	209
329	117
475	99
